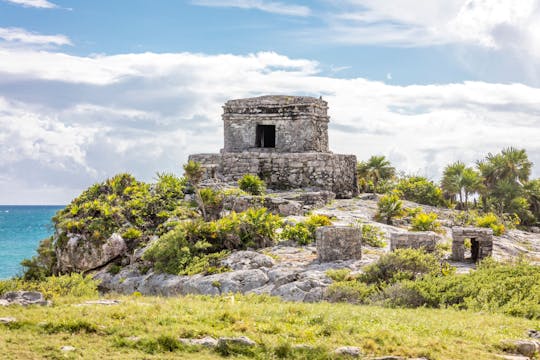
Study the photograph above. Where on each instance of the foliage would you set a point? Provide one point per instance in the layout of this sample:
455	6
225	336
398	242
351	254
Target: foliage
426	222
197	245
372	236
206	264
389	207
461	181
212	203
491	221
41	265
512	289
339	274
354	292
373	173
121	203
402	264
506	187
304	232
252	184
420	190
54	286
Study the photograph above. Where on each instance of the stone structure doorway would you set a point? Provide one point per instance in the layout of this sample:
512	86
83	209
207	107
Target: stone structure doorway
265	136
481	243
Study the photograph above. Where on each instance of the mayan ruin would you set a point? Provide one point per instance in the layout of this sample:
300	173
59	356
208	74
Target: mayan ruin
283	140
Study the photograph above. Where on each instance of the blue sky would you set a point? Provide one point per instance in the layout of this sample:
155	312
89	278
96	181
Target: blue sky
92	88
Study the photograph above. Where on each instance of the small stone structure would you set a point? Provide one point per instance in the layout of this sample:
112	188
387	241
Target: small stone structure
283	140
338	243
481	242
414	240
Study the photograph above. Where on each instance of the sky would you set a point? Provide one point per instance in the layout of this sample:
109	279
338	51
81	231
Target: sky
89	89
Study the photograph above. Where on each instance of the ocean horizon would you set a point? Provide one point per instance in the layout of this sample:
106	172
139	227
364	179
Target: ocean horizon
22	227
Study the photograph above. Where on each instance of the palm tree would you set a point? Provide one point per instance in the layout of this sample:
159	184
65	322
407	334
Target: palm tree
461	181
504	176
374	170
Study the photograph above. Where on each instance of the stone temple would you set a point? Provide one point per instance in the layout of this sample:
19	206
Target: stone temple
283	140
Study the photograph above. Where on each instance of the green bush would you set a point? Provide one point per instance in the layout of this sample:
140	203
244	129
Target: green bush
41	265
339	274
510	288
426	222
349	291
76	285
491	221
421	190
402	264
372	236
193	245
252	184
304	232
389	207
298	233
131	234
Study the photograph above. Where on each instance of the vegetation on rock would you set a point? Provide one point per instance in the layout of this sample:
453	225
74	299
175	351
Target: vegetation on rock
252	184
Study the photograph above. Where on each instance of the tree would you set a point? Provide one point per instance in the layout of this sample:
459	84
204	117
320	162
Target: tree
504	176
373	171
461	181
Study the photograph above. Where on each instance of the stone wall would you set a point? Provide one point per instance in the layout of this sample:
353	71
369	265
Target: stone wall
338	243
414	240
301	123
481	242
322	171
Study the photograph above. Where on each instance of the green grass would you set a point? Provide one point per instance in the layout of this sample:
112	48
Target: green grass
103	332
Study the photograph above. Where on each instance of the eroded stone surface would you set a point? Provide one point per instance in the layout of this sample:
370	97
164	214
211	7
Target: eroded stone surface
339	243
426	240
24	298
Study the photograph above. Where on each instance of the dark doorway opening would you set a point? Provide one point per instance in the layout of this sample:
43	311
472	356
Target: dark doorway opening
475	249
265	136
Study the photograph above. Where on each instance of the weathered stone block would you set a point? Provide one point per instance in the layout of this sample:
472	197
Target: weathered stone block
338	243
481	242
414	240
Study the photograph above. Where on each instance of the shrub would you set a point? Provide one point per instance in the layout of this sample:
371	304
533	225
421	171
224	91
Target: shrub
297	232
373	236
131	234
41	265
510	288
402	264
212	201
339	274
55	286
426	222
192	245
420	190
491	221
389	207
252	184
304	232
349	291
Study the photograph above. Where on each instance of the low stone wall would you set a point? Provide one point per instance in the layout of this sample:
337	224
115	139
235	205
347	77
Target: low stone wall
338	243
321	171
414	240
481	242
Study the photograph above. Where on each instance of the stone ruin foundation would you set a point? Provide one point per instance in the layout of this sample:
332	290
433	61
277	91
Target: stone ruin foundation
481	243
283	140
414	240
338	243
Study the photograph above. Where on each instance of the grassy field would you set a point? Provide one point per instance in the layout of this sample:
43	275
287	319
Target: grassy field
106	332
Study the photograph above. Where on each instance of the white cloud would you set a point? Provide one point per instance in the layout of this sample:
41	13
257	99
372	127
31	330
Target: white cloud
34	3
25	37
511	27
68	121
262	5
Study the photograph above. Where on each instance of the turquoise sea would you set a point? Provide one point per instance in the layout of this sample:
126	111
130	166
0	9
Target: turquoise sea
21	229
